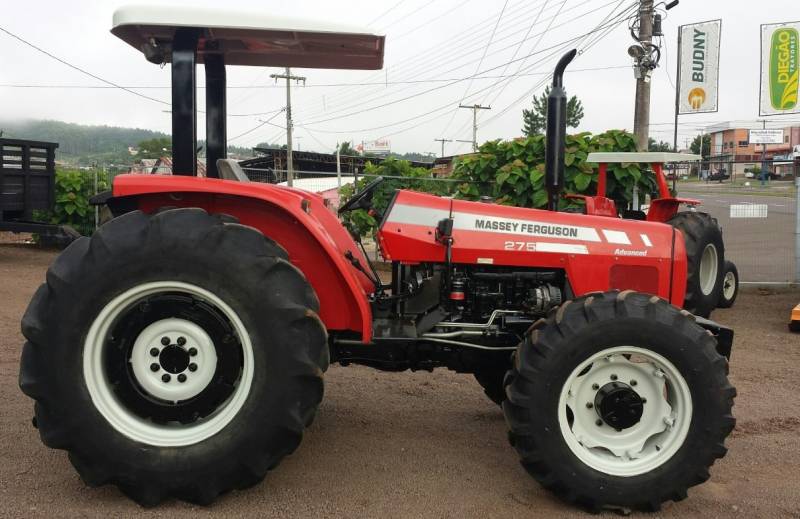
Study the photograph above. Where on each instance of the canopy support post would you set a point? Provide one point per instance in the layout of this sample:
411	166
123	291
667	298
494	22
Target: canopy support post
216	132
184	103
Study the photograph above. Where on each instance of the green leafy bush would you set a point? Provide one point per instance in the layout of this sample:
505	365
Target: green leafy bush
73	190
512	172
398	174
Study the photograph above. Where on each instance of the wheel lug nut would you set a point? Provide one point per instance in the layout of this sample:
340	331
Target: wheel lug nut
154	352
165	341
154	367
633	382
181	378
181	341
589	405
192	351
595	387
613	377
166	378
599	422
192	367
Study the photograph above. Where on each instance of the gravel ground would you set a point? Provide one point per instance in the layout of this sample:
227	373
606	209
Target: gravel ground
420	444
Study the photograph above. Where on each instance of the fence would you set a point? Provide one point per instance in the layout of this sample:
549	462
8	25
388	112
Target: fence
760	226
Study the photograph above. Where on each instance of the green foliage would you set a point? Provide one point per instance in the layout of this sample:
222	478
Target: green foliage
269	146
512	172
535	119
155	148
703	150
73	190
81	144
653	145
398	174
346	148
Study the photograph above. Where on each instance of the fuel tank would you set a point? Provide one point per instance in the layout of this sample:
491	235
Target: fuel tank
597	253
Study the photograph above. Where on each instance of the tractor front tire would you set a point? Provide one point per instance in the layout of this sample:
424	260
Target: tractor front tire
175	355
705	255
491	380
730	286
618	400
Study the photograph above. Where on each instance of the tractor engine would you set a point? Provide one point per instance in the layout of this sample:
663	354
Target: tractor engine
475	292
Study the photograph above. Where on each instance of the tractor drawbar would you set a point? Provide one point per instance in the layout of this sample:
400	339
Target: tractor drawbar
556	132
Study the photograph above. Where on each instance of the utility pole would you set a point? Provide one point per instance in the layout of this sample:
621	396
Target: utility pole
288	77
475	109
443	141
641	117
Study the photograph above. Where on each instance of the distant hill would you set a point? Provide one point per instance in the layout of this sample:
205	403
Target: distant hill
83	145
78	143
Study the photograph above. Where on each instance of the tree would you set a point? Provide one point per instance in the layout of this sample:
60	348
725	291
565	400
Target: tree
652	145
346	148
706	149
269	146
155	148
535	119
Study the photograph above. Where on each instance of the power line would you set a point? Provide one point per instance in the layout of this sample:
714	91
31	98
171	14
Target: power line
561	44
448	57
410	82
519	47
79	69
395	6
110	84
256	127
480	63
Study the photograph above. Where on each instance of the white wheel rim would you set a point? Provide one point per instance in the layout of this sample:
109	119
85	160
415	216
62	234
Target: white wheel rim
729	286
708	269
185	383
146	431
664	423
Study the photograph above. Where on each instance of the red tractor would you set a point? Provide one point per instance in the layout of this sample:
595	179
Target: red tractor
180	352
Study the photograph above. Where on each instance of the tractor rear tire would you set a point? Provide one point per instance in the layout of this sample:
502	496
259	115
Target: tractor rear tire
618	400
705	255
730	286
491	380
175	355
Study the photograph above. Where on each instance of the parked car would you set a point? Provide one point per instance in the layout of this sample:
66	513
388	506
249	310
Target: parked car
719	175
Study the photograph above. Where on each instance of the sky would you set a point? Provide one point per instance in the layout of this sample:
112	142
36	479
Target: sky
439	54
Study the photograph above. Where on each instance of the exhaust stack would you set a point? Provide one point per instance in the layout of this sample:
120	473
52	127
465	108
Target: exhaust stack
556	133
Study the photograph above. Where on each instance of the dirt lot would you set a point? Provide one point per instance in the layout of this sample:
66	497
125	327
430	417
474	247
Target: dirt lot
421	444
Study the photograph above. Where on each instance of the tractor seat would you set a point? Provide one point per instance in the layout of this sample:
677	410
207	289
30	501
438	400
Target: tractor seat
229	169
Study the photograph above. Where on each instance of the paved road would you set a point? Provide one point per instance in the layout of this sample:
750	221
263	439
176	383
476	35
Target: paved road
762	248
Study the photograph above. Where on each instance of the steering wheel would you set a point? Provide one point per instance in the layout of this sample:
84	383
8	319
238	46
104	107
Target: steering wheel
361	199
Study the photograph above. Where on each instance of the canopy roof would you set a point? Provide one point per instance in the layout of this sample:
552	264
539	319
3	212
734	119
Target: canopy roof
649	157
250	38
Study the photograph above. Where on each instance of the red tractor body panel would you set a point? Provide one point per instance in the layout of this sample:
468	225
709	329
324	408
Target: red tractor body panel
597	253
297	220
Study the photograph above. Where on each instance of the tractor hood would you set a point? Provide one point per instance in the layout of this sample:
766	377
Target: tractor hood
594	251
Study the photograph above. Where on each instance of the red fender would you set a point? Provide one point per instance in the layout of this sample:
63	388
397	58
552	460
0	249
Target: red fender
297	220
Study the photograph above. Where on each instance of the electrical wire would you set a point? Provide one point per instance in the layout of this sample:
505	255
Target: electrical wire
447	57
111	84
79	69
262	123
480	63
395	6
389	103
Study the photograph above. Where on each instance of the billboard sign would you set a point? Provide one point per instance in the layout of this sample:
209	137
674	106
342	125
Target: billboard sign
767	136
779	68
698	67
378	147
